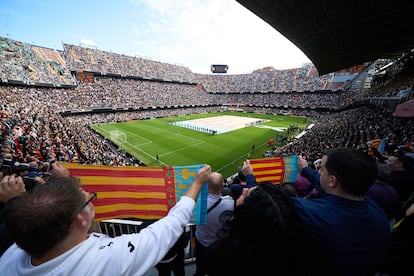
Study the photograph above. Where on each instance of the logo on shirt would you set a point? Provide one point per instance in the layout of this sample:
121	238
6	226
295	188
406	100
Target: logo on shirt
131	246
103	246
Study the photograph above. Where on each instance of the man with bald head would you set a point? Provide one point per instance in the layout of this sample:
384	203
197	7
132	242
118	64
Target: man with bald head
219	210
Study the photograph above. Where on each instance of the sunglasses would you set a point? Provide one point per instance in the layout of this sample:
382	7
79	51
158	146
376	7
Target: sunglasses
94	195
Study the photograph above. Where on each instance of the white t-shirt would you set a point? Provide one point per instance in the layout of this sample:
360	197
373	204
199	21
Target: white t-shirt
129	254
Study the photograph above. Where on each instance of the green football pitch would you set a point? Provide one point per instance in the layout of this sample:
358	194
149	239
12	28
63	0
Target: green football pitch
179	146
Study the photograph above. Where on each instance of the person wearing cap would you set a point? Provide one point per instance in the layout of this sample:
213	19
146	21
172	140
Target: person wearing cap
317	163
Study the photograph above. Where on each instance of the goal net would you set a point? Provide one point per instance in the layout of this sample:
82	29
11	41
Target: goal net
118	136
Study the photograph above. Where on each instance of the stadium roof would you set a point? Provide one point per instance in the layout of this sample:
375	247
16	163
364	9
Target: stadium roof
338	34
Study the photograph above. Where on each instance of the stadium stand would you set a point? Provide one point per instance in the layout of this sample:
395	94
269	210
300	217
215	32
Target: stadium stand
51	98
62	90
338	34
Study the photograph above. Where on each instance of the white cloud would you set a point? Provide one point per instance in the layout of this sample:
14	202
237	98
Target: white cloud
192	33
198	33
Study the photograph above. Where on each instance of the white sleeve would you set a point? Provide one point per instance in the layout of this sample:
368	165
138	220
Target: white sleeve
128	254
152	243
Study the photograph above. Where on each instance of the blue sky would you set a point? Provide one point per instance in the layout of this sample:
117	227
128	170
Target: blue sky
192	33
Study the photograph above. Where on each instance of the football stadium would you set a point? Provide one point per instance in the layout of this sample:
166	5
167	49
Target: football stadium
122	124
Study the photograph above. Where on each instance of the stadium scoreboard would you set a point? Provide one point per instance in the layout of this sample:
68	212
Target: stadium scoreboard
219	68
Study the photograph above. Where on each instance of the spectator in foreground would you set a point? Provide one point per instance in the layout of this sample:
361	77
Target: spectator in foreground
50	228
402	176
401	254
219	210
246	180
384	194
11	187
173	261
314	188
347	232
265	236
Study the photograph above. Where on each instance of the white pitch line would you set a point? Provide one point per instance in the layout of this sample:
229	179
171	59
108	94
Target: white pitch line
138	149
279	129
169	153
147	154
140	144
172	152
171	132
242	157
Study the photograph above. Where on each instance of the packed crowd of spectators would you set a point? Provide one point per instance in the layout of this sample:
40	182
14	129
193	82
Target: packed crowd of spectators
352	128
95	60
47	111
111	92
54	122
30	64
38	65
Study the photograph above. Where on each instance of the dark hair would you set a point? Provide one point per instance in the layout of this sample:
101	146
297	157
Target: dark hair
241	176
41	218
354	169
406	161
384	172
289	189
266	222
266	205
